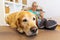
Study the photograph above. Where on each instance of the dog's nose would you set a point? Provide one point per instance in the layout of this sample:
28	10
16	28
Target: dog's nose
33	29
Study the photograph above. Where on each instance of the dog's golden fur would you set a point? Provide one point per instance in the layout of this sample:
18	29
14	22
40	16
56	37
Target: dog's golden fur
15	20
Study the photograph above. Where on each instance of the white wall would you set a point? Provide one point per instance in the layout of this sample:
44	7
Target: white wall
51	8
2	22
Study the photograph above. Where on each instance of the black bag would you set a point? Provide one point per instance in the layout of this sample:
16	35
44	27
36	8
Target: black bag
49	25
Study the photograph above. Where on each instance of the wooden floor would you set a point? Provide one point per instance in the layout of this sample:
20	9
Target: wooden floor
7	33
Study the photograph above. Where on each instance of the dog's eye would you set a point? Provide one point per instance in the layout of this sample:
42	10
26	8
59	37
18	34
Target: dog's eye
33	18
25	20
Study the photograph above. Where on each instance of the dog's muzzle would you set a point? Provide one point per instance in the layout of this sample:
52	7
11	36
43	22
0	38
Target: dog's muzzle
33	29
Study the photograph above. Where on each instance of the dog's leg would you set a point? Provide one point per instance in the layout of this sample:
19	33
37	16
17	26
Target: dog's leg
20	30
12	25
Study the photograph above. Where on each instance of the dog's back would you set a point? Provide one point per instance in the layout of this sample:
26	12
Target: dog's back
10	19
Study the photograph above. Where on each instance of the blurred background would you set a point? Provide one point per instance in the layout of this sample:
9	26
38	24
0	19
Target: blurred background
51	8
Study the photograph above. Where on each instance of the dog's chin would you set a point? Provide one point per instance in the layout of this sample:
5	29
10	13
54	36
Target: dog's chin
29	34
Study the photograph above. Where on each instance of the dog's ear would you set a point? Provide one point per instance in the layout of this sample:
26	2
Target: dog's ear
18	22
19	28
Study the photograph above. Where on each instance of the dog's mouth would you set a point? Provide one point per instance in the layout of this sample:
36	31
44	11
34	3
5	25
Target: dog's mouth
32	32
32	35
29	34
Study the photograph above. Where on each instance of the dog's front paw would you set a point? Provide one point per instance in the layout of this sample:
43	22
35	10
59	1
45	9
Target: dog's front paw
12	25
20	30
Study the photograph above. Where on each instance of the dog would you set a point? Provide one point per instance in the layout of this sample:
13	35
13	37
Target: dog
24	21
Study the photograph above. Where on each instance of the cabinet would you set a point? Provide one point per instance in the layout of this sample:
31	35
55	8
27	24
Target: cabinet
7	7
12	6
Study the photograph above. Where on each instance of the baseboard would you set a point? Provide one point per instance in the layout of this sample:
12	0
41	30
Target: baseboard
4	25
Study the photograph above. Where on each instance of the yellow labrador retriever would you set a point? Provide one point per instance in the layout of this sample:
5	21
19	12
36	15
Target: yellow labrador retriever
24	21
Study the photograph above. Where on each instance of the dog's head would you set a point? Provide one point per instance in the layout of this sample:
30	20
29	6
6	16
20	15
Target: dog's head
26	22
